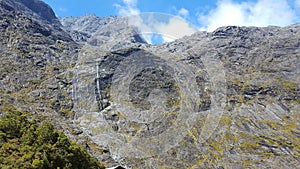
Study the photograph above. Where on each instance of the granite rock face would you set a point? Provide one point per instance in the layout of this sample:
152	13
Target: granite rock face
225	99
36	57
110	33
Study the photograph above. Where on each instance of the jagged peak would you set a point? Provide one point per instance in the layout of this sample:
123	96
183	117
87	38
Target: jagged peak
37	8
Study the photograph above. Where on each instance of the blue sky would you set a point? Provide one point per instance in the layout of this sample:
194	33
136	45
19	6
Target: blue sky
206	15
65	8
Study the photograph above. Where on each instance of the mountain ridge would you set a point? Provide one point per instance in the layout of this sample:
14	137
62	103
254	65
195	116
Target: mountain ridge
71	75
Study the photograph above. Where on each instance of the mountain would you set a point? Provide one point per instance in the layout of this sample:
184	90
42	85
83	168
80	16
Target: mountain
107	31
225	99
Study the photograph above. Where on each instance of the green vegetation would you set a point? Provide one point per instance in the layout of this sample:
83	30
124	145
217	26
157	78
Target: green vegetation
26	142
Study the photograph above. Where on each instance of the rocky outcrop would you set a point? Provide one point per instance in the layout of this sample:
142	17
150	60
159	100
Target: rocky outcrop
226	99
35	55
37	8
110	33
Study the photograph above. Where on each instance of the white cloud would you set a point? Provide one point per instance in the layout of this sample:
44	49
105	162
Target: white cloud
130	2
167	39
147	38
174	29
168	26
297	2
145	28
129	8
183	12
261	13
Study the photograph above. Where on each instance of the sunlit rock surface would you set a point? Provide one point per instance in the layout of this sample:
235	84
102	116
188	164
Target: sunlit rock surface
226	99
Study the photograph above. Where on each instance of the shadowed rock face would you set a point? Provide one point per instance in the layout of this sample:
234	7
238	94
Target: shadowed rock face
226	99
41	9
33	7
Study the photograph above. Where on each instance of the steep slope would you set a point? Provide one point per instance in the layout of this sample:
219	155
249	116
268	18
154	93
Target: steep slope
36	66
36	57
109	33
35	8
226	99
32	49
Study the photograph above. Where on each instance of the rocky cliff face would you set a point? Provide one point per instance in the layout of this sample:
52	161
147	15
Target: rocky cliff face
36	59
36	55
226	99
110	33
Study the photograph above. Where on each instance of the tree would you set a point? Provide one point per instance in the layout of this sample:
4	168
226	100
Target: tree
28	144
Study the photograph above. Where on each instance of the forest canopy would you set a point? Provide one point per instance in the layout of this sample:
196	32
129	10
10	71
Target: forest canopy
27	142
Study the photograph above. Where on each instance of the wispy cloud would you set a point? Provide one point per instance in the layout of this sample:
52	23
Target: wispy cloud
183	12
297	2
260	13
61	9
152	25
227	12
128	8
